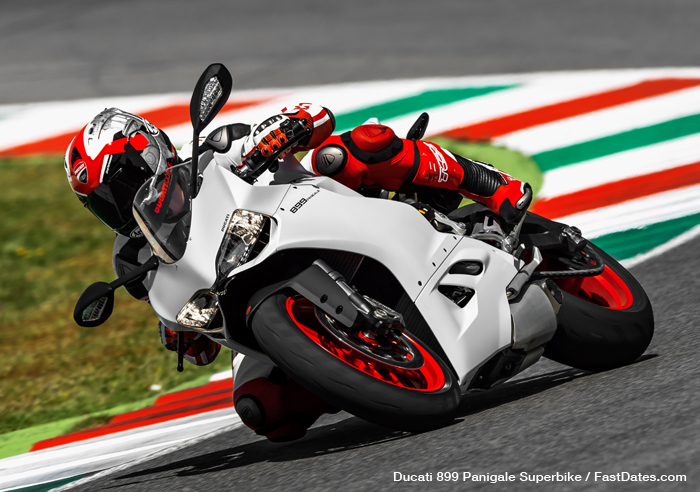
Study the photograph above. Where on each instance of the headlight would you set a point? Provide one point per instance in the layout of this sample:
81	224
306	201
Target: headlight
199	311
241	235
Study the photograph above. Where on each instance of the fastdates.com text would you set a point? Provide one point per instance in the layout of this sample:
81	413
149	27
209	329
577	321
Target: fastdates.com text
454	476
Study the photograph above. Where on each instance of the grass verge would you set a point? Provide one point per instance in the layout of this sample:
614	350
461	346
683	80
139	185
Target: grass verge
53	370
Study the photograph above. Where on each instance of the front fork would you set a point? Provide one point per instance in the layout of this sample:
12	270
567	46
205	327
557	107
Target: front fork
374	318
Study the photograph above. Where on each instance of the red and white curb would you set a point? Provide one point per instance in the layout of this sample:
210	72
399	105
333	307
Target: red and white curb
179	420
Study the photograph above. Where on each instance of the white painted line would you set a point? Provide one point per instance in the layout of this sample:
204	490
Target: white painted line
78	467
106	451
636	214
111	440
220	376
149	457
622	165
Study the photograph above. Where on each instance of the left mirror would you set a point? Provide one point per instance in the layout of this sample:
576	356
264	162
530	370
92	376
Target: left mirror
95	305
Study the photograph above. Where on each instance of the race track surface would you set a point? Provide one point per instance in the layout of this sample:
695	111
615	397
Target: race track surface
644	418
80	48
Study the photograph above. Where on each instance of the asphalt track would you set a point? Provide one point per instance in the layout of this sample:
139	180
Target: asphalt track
80	48
644	418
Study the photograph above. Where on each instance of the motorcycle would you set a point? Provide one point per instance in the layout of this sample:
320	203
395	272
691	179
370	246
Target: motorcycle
362	300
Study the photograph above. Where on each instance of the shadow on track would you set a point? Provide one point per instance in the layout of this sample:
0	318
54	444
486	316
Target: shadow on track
478	401
344	435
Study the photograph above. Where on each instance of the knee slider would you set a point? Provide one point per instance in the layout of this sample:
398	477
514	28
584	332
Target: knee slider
251	411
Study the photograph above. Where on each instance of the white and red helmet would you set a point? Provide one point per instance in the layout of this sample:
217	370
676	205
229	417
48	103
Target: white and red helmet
109	160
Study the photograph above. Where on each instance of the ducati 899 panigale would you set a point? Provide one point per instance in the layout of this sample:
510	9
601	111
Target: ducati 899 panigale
362	300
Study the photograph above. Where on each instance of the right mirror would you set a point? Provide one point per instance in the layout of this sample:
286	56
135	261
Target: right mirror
95	305
210	94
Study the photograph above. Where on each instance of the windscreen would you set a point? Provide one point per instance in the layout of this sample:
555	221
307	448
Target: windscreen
163	210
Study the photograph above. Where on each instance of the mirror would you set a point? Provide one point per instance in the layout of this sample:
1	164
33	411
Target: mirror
95	305
209	96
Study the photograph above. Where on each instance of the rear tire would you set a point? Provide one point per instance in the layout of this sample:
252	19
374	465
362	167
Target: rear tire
283	331
604	322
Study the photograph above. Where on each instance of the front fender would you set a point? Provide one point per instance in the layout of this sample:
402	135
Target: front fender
315	285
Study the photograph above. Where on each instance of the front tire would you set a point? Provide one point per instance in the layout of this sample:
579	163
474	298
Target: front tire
400	397
604	322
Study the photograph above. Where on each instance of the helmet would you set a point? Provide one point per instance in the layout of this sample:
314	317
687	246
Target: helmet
109	160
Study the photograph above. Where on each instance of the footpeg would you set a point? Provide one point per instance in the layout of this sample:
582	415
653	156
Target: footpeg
445	224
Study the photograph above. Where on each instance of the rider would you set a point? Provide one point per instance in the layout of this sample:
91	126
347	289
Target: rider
114	154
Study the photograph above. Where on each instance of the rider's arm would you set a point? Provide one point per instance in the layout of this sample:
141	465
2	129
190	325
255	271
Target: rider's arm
233	144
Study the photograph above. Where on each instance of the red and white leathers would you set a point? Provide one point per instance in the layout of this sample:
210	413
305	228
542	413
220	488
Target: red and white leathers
372	156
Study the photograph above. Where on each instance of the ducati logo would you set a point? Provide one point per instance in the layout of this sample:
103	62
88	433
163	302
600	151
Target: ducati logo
80	171
327	160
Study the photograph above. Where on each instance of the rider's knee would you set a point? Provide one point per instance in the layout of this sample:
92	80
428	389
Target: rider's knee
277	407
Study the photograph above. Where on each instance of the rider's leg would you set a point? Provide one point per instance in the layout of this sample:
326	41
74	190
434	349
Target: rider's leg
271	403
373	156
476	180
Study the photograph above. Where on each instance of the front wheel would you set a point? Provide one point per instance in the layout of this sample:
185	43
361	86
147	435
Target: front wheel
605	321
401	385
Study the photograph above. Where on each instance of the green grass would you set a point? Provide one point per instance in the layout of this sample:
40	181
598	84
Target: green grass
52	370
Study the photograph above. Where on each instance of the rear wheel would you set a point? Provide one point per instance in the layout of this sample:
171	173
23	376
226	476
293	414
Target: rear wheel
398	383
605	321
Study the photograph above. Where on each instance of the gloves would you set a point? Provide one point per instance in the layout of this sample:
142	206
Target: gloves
271	135
243	148
199	350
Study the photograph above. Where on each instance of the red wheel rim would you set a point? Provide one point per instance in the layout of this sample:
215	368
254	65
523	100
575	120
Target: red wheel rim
607	289
429	377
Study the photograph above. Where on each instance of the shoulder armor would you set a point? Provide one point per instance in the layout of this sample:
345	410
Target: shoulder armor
330	159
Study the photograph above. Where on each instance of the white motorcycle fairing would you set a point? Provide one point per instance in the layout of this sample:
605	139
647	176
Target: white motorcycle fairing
317	212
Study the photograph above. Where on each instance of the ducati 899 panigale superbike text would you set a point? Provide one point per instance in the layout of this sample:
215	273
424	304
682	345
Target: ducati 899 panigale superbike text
362	300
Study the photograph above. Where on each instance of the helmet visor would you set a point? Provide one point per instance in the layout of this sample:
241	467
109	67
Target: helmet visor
112	200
